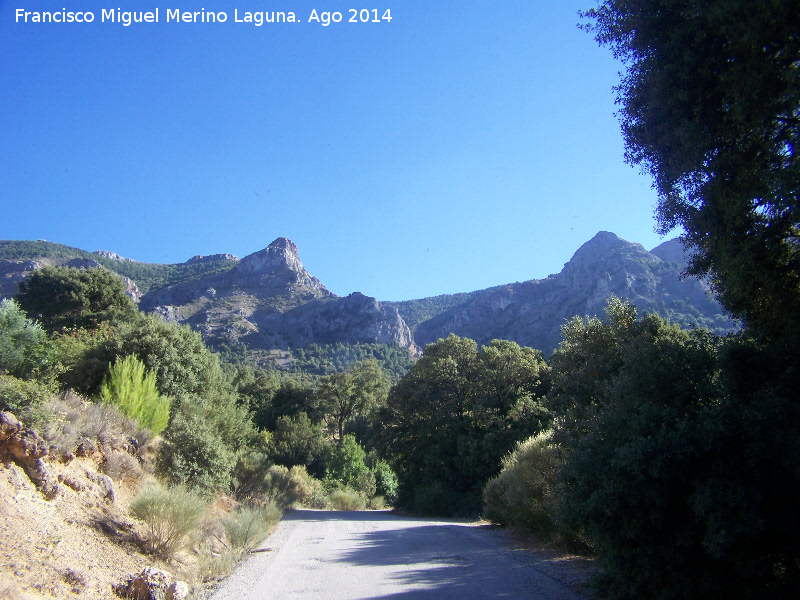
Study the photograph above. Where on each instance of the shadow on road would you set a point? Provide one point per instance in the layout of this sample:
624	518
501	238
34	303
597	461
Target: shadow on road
441	560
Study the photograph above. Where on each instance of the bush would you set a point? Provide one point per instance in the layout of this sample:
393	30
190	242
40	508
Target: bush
347	499
297	441
64	420
385	481
288	487
169	515
346	464
134	392
522	494
22	341
249	525
18	395
202	443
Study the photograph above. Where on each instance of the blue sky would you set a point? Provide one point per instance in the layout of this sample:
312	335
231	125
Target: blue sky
462	145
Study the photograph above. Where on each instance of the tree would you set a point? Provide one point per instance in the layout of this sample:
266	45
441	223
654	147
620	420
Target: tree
710	107
177	355
353	392
457	412
133	391
63	297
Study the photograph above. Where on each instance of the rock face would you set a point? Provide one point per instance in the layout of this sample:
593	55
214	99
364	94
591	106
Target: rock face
23	446
269	300
531	313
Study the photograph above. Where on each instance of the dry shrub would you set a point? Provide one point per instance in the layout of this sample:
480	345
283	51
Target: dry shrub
169	515
249	525
121	466
64	420
522	494
347	499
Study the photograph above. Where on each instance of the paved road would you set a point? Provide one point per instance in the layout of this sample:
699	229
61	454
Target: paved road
327	555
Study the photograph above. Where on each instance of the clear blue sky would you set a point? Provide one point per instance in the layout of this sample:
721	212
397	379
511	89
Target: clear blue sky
464	144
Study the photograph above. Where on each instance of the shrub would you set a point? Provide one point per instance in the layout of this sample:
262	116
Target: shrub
65	419
202	442
522	494
347	499
18	395
169	515
346	463
385	481
298	441
133	390
251	524
22	341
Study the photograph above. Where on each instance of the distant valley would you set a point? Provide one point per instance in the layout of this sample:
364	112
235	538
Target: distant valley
268	301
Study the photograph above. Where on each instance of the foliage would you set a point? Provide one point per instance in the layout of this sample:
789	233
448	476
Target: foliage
678	455
250	524
523	494
710	107
354	392
176	354
202	441
134	392
66	419
169	515
325	359
270	400
290	487
346	463
18	395
385	481
62	297
347	499
22	341
451	419
297	441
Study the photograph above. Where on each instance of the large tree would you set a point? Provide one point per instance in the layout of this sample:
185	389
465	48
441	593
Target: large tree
710	107
457	412
352	393
61	297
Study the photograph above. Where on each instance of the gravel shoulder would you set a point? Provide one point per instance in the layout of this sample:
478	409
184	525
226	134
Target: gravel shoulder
331	555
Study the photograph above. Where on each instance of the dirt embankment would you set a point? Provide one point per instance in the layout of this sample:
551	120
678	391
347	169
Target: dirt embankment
64	525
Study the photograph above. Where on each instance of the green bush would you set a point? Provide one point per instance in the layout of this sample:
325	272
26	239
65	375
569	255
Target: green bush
18	395
523	493
22	341
169	516
298	441
202	442
134	392
385	481
346	463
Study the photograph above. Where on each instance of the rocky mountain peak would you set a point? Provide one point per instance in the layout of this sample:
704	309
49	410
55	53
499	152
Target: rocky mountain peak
672	251
280	255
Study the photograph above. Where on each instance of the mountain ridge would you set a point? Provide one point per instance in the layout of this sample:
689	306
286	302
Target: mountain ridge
268	300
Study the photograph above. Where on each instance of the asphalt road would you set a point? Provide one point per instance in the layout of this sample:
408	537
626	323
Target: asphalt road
327	555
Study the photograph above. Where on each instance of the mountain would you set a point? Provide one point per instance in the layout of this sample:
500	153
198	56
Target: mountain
532	312
268	300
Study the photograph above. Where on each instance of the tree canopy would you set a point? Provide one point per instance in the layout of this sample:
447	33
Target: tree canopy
710	107
60	297
456	413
